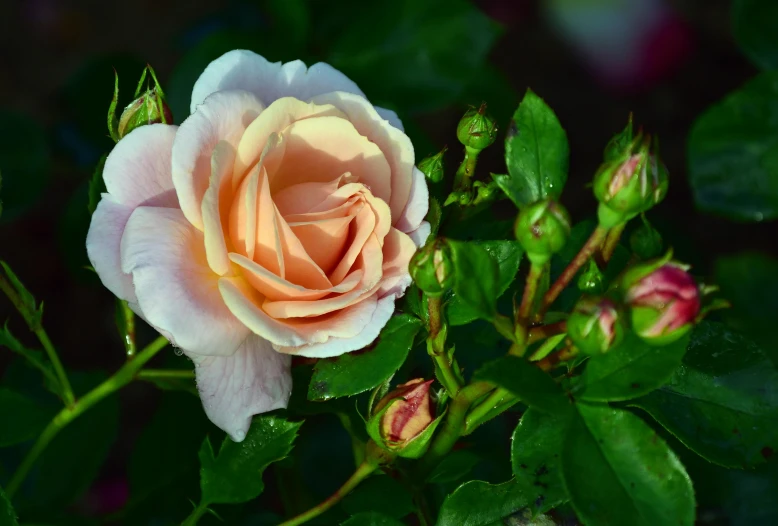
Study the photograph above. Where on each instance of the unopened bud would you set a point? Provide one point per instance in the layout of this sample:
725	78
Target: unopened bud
542	229
591	280
477	129
432	167
149	108
645	241
620	143
595	325
664	300
631	184
403	421
432	269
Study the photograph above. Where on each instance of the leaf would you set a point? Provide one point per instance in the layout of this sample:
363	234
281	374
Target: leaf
21	419
417	55
96	185
354	373
631	369
34	358
27	299
536	448
755	24
723	402
478	503
533	386
536	153
7	513
235	475
454	466
434	216
733	153
480	295
381	494
618	471
24	162
508	255
371	519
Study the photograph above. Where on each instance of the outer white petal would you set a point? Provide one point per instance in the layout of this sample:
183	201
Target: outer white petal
392	117
254	380
103	246
418	204
176	289
245	70
421	234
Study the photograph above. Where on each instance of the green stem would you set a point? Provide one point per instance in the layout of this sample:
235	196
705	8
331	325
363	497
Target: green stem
546	331
590	247
462	179
436	347
121	378
481	412
362	472
530	291
198	512
37	329
127	332
612	241
153	374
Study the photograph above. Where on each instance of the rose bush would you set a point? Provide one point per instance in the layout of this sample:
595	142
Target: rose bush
278	219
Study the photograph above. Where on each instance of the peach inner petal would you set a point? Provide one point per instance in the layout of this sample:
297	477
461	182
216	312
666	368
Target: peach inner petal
324	240
299	266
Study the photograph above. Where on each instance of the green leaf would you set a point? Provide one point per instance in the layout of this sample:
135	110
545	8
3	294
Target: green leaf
96	185
723	402
755	24
629	370
454	466
480	295
536	448
508	256
34	358
371	519
536	153
434	216
533	386
22	419
235	475
417	55
27	299
733	153
381	494
7	513
354	373
478	503
24	162
617	470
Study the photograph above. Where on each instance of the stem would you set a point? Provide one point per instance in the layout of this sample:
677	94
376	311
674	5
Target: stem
121	378
612	241
554	359
361	473
128	332
530	291
153	374
478	415
590	247
436	347
37	329
466	169
546	331
198	512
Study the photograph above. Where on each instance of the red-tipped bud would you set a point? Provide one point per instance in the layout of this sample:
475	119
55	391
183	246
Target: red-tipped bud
595	325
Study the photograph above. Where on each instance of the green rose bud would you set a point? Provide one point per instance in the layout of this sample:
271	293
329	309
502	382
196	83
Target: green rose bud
620	143
591	280
542	229
645	241
432	167
149	108
595	325
477	129
631	184
431	268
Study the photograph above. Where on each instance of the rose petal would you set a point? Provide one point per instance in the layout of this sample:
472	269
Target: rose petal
420	235
398	250
298	266
241	69
176	289
224	116
418	204
390	116
222	161
103	246
253	380
138	168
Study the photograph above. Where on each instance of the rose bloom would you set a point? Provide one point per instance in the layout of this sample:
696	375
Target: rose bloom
277	220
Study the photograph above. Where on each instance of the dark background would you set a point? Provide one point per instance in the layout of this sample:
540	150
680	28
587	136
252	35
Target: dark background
56	70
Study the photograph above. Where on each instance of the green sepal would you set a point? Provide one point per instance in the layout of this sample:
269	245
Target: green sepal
414	448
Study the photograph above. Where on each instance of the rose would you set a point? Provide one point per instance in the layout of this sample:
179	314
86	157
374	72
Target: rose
277	220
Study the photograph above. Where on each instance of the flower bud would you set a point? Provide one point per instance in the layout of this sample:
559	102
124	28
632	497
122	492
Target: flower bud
542	229
645	241
149	108
631	184
595	325
477	129
591	280
486	192
403	421
664	300
432	167
431	268
619	143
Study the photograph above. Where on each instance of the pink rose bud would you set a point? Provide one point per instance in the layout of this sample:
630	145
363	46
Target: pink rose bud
403	420
595	325
664	301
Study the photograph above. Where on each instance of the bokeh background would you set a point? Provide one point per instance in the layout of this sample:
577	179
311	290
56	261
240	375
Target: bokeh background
593	61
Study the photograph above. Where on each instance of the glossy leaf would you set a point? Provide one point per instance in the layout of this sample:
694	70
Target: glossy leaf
371	518
478	503
454	466
381	494
536	153
480	295
629	370
354	373
733	153
21	419
723	402
508	255
235	474
618	471
755	24
522	378
24	162
7	513
536	448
